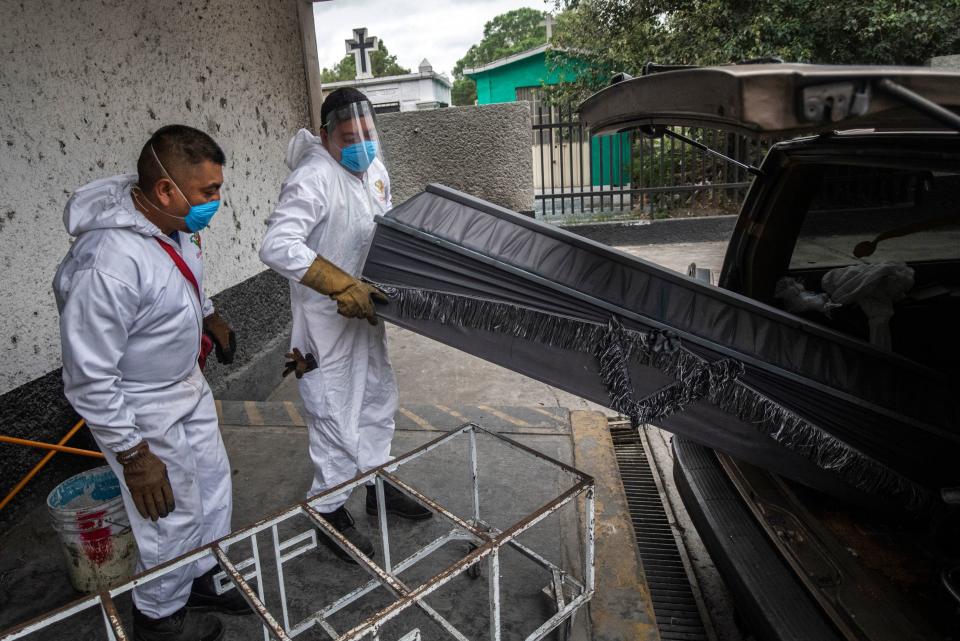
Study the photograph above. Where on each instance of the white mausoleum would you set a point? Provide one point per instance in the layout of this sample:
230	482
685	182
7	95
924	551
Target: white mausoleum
409	92
424	89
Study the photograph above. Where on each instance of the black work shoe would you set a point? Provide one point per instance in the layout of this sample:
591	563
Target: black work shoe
182	625
204	597
396	503
343	522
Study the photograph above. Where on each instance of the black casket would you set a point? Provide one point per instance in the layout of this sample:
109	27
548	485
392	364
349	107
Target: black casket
747	379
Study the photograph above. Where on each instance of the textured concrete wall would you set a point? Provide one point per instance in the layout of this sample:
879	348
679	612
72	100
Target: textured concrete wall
84	83
259	311
482	150
947	63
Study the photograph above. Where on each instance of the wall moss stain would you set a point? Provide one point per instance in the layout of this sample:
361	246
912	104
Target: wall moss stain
7	217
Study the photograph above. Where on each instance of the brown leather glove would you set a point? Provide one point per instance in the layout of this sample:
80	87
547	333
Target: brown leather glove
355	299
224	340
146	478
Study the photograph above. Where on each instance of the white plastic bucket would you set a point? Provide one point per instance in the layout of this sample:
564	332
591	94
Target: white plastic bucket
87	513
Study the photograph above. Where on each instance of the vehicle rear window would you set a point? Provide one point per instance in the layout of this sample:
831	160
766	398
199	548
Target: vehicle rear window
915	214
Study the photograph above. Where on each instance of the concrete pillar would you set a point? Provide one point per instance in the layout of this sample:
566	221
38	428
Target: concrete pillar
311	60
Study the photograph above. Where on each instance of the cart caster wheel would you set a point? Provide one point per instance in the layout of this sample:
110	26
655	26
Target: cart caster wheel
475	571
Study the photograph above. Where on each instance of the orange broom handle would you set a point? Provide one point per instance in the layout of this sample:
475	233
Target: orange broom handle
50	446
39	466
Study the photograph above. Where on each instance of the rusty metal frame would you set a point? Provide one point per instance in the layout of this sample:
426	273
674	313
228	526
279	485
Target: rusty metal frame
568	593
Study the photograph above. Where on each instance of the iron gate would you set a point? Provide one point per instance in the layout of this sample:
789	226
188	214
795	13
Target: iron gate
583	177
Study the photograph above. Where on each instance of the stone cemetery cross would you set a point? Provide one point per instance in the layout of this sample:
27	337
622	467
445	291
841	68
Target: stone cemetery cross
548	23
360	47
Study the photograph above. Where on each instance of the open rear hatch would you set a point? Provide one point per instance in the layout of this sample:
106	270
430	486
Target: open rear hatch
778	100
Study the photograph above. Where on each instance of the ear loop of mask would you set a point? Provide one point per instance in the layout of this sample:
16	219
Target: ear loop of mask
167	175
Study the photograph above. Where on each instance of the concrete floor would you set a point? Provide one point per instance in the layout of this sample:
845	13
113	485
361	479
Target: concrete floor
439	387
678	256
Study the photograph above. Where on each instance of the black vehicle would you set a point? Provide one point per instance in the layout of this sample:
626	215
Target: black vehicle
878	183
814	395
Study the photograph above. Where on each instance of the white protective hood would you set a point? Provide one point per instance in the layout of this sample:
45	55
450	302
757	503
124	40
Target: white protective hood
301	145
106	204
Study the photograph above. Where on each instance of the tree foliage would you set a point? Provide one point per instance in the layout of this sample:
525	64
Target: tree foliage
509	33
381	64
622	35
463	91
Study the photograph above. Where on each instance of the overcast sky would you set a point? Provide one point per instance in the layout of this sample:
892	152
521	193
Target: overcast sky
438	30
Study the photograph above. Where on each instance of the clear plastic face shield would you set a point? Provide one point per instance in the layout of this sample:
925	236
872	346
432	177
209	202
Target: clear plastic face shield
351	136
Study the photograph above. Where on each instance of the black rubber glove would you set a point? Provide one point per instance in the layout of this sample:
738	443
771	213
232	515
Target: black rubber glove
299	364
224	340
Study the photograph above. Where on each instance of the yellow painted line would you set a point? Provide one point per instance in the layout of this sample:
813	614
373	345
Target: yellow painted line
504	417
454	413
219	405
419	420
294	414
538	410
253	413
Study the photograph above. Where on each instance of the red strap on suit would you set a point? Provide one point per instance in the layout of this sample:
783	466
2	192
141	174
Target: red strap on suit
206	344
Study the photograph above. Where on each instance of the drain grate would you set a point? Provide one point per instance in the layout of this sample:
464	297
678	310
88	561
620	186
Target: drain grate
674	601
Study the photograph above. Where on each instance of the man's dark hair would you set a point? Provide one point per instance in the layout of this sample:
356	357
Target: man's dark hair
340	98
177	146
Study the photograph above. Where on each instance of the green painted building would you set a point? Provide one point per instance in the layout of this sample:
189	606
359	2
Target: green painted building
519	76
522	76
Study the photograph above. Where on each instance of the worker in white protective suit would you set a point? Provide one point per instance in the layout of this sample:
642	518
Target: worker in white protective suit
132	318
318	237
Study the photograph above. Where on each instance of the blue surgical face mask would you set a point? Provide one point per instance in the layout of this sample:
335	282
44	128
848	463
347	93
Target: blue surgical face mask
200	215
359	156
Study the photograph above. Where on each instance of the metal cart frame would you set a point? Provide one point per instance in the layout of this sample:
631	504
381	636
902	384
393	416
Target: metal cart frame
486	542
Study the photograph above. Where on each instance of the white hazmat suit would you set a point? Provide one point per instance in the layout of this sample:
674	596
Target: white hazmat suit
130	327
351	398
